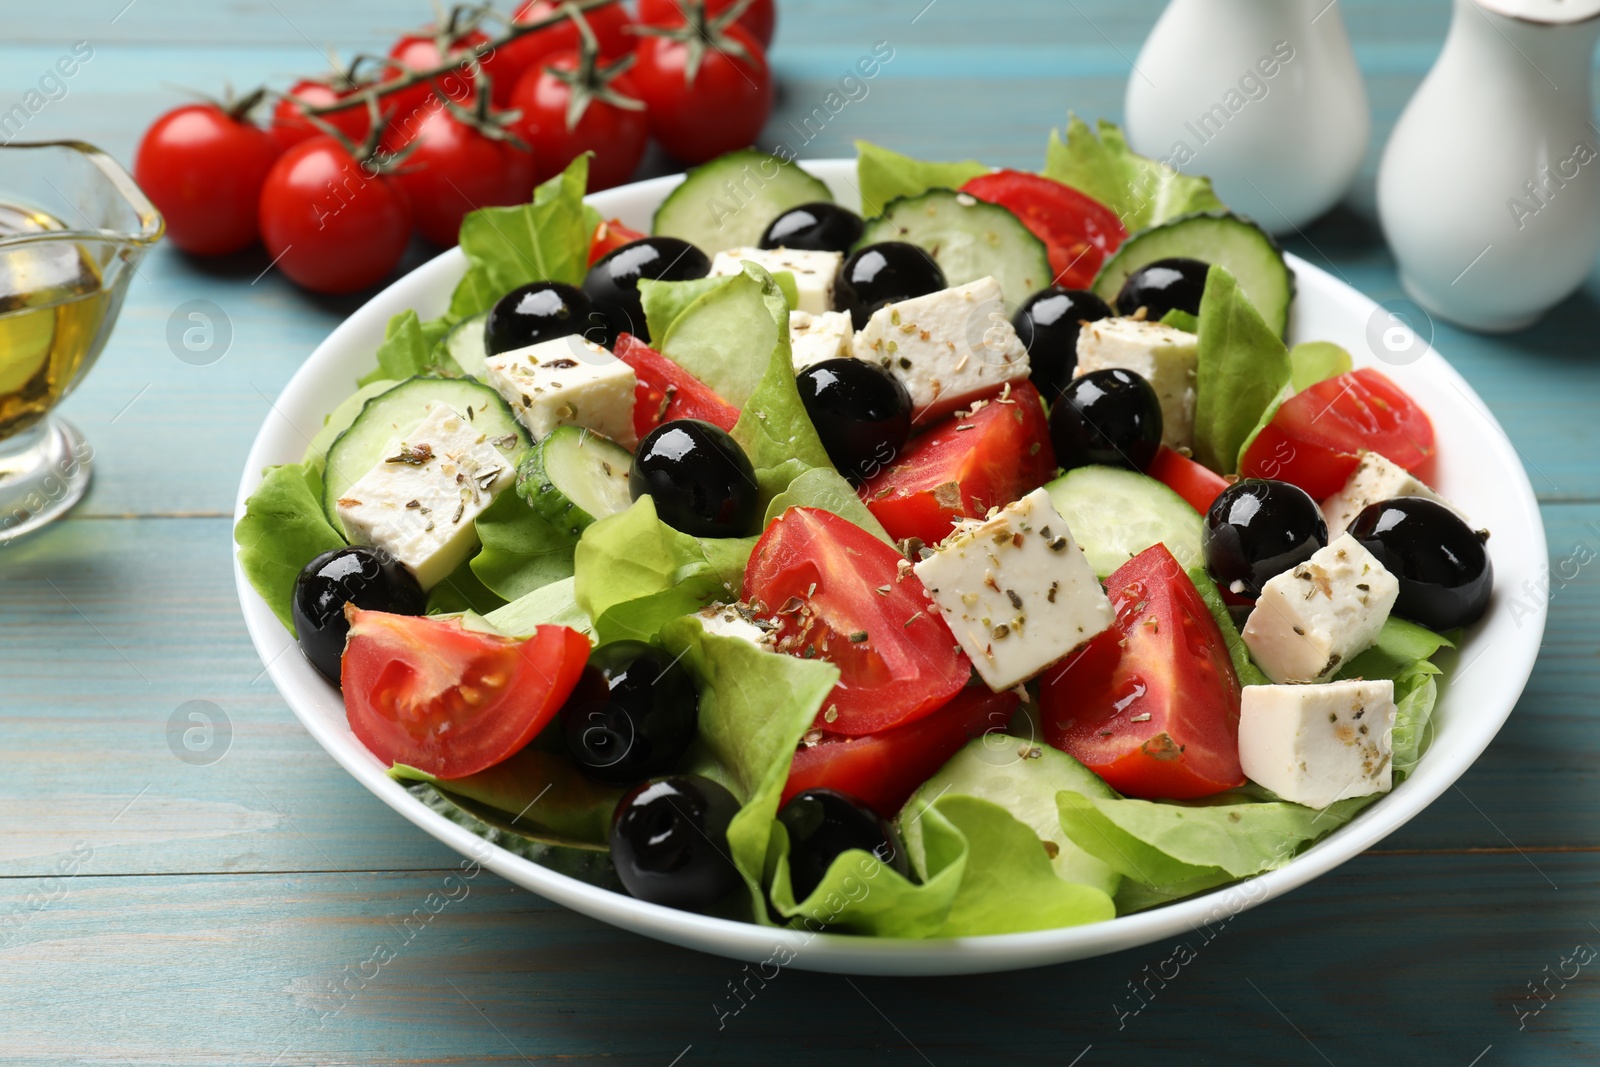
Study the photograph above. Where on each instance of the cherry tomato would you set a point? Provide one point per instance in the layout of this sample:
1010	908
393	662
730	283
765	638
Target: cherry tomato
882	770
837	590
722	108
616	135
665	391
331	224
1078	231
760	19
1317	436
610	236
1152	704
420	51
290	126
455	169
203	169
1195	482
512	60
964	466
451	701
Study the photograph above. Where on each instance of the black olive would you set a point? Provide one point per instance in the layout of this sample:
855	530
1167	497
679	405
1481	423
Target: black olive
1163	286
884	273
612	284
366	577
1257	529
1443	567
669	842
532	313
632	714
1047	325
1109	417
861	412
818	227
825	823
700	479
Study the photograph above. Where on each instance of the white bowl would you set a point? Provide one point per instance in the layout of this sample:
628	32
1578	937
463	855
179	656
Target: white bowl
1478	469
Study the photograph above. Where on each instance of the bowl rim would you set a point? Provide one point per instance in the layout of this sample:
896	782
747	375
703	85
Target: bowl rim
297	682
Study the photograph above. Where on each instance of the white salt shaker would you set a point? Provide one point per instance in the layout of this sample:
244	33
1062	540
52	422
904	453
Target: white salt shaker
1263	96
1489	189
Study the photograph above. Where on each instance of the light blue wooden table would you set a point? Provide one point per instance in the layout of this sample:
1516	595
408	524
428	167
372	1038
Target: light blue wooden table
157	911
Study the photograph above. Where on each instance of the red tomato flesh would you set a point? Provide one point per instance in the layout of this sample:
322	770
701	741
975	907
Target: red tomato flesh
963	466
1195	482
836	590
450	701
1078	231
1151	705
882	770
1317	436
665	391
610	236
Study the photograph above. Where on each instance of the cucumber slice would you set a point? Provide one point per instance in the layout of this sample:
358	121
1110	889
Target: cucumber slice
464	344
1023	777
730	201
1116	514
340	419
395	413
1211	237
574	477
968	238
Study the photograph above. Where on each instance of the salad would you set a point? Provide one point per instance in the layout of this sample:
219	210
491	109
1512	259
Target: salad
981	563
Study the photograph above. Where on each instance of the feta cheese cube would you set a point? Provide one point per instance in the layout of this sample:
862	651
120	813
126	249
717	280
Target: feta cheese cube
814	272
948	348
1313	618
566	381
1161	355
420	502
737	621
1016	590
1316	744
814	338
1375	478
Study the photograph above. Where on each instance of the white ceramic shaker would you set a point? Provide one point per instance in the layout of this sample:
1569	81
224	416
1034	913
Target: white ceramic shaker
1262	96
1489	189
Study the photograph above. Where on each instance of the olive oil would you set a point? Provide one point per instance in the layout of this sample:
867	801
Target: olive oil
53	312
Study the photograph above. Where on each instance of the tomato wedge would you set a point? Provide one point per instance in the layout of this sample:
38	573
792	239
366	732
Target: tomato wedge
1078	231
1317	436
964	466
882	770
1195	482
1151	705
666	391
450	701
836	590
608	237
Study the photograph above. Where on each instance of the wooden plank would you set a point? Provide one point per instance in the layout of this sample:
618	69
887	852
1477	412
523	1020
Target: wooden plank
1392	959
109	627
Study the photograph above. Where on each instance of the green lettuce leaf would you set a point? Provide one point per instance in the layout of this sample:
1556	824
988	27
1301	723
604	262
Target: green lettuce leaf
726	335
1180	319
547	240
1415	693
1309	363
521	550
1241	366
462	591
553	604
825	488
536	793
409	348
1246	671
883	176
987	874
283	529
1142	191
754	708
1400	647
634	573
664	302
